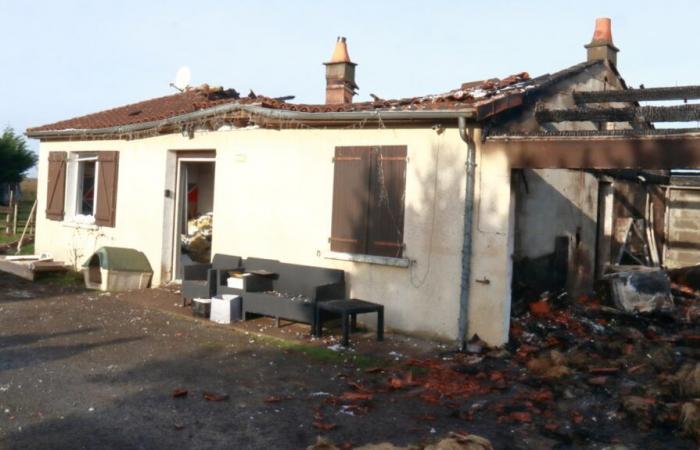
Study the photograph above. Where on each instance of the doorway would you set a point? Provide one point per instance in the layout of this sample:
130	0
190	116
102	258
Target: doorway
194	212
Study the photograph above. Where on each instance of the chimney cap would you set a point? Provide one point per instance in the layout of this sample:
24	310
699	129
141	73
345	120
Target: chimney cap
340	52
601	46
602	35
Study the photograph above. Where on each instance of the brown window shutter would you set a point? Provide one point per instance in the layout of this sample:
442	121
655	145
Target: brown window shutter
386	206
56	183
106	208
351	180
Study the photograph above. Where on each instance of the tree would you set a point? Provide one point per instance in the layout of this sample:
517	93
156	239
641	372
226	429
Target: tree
15	157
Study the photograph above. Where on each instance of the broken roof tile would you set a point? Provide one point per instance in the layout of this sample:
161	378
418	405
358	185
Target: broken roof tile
205	97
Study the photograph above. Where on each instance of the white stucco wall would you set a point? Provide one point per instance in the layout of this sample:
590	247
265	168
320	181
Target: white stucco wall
139	219
492	247
273	199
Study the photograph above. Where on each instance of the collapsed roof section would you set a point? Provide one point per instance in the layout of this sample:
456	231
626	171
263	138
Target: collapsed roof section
211	108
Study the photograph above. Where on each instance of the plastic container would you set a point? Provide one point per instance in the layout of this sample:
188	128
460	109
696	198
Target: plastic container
201	307
226	308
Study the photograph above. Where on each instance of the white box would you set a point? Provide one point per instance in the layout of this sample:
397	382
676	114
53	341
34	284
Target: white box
226	309
237	282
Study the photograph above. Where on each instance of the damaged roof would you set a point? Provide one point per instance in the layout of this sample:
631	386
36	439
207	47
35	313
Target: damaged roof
482	99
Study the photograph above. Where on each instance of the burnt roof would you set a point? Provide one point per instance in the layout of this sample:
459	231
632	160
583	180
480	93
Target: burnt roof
487	97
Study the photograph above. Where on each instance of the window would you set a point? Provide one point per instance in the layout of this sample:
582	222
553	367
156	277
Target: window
369	186
86	192
83	187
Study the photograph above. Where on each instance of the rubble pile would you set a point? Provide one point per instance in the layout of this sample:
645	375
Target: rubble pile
197	242
578	372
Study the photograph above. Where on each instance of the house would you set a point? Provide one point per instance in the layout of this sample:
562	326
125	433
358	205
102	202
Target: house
428	203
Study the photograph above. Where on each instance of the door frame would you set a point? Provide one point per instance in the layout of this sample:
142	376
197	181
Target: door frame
173	197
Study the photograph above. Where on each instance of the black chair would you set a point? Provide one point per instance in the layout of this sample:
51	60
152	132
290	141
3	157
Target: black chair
201	280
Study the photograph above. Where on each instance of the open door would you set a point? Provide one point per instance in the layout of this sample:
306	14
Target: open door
194	215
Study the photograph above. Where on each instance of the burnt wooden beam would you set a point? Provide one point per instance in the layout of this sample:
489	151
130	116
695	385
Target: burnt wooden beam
679	113
639	95
680	151
633	133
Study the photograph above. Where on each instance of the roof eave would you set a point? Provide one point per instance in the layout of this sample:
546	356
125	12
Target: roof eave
472	113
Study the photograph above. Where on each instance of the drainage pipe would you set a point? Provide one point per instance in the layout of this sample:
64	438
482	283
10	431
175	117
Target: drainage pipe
463	325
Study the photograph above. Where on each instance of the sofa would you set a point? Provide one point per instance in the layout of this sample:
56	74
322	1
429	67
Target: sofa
200	280
295	290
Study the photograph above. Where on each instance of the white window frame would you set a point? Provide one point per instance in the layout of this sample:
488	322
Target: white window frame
75	188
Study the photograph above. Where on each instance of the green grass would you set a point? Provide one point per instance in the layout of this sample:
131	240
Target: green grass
326	355
67	279
27	249
5	238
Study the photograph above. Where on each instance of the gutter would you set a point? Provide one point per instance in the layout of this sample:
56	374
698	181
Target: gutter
262	112
463	324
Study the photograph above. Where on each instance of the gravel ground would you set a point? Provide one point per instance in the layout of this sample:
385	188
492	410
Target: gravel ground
94	370
84	369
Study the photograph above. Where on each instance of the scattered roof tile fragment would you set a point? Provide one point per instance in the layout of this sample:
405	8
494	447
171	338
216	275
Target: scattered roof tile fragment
205	97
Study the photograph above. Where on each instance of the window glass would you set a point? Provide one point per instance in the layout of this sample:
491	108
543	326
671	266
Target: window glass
86	185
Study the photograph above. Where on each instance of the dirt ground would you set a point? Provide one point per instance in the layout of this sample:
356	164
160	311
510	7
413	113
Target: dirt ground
83	369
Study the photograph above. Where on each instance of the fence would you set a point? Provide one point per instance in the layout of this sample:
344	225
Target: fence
9	214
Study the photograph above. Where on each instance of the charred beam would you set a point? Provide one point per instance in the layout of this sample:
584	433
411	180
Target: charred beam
680	113
639	95
694	131
642	152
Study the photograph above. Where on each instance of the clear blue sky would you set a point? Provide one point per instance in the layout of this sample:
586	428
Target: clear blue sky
67	58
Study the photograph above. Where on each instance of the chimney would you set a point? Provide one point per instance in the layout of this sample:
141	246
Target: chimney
601	46
340	75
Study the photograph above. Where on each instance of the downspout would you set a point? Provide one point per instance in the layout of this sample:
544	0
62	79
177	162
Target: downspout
463	325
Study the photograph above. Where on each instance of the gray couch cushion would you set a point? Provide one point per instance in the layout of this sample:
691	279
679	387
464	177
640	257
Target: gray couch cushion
295	279
223	262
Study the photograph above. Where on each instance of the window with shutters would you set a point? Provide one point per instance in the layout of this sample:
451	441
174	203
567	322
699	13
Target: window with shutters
369	186
82	187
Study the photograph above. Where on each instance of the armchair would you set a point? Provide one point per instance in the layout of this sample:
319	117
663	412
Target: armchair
200	280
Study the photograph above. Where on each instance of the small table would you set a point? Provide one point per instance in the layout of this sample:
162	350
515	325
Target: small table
348	310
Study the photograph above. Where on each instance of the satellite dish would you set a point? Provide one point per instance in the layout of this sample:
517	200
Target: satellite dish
182	78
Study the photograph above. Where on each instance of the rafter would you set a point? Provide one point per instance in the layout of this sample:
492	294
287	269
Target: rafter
638	95
679	113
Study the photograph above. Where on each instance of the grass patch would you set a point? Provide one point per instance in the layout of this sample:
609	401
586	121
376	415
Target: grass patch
325	355
5	238
67	279
27	249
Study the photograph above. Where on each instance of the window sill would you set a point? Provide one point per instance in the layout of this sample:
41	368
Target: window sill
369	259
84	226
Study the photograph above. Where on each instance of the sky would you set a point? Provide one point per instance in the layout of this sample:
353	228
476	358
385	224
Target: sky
67	58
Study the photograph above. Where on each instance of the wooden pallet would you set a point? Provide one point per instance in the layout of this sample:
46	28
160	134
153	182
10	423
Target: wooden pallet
28	267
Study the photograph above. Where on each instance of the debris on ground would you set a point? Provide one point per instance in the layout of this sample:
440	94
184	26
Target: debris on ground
591	371
214	397
640	289
179	393
453	441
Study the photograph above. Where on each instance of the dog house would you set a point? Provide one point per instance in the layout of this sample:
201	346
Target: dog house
117	269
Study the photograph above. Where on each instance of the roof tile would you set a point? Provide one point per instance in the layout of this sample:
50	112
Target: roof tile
205	97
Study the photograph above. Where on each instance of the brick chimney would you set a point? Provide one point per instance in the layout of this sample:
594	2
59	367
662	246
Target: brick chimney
340	75
601	46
